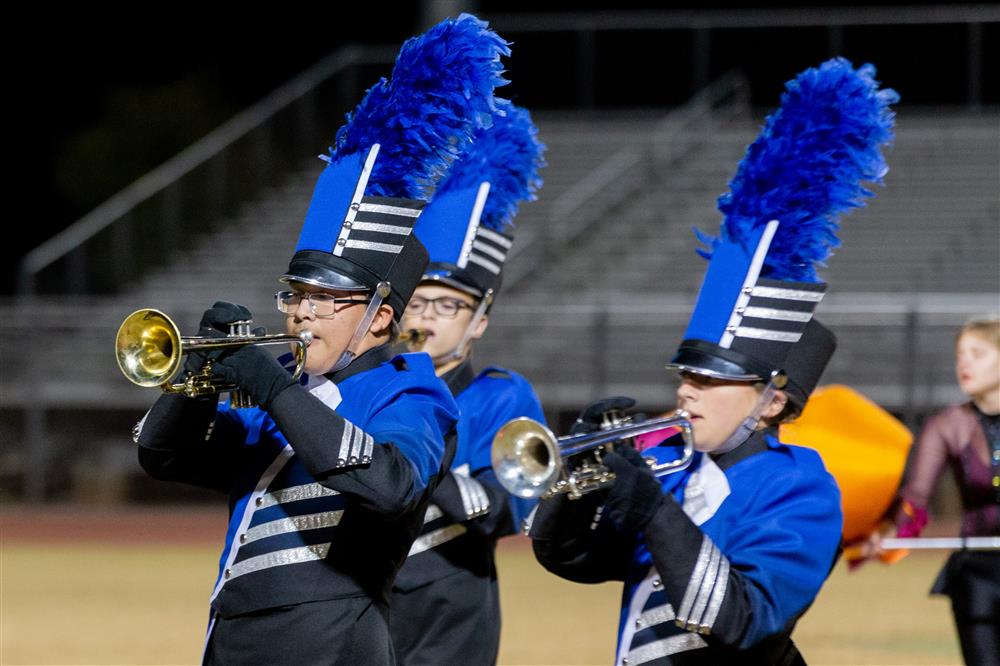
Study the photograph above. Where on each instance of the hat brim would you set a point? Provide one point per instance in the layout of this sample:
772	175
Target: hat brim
693	356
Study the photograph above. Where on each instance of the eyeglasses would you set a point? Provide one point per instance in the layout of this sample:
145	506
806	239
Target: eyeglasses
444	306
320	304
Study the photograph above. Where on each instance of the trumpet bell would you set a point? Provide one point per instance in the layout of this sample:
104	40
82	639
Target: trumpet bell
148	348
525	457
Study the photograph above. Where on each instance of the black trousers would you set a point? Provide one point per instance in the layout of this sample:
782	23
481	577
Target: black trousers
338	632
973	583
453	620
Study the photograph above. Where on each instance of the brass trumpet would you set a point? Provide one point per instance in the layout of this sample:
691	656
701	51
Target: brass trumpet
413	338
149	348
531	462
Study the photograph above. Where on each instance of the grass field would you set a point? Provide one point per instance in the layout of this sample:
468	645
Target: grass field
142	601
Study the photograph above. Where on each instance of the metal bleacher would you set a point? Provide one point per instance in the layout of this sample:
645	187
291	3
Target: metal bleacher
604	272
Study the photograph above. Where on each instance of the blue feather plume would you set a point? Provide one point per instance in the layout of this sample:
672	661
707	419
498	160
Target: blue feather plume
509	155
439	94
807	166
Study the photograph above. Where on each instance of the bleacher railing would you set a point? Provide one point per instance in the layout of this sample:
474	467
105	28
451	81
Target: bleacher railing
160	212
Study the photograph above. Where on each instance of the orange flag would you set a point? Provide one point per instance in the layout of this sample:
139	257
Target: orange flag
863	446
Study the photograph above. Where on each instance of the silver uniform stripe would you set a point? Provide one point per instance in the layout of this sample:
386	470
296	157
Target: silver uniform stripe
433	513
780	315
295	494
312	521
485	263
753	271
436	538
359	193
345	442
375	247
388	210
490	250
493	236
665	647
280	558
655	616
787	294
694	583
137	428
718	595
272	470
473	227
693	621
764	334
382	228
475	501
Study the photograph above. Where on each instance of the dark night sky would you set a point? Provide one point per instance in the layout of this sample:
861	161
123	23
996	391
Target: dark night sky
187	73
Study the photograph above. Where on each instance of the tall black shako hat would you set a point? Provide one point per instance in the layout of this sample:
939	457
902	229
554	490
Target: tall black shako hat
754	313
468	225
387	158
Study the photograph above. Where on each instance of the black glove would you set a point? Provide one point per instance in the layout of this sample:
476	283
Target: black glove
590	418
635	495
215	324
255	371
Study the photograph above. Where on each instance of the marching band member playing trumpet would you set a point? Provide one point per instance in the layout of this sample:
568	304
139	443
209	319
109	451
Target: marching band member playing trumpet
445	602
720	560
329	477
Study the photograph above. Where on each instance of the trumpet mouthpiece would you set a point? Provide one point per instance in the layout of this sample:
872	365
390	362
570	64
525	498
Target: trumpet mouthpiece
306	336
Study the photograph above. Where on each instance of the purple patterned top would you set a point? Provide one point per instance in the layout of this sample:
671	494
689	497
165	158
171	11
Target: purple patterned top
957	436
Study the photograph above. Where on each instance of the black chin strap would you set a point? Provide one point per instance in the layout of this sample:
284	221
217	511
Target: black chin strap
777	381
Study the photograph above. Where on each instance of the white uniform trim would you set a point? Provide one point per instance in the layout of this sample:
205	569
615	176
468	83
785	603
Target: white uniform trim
787	294
312	521
473	226
373	246
280	558
359	193
485	263
387	210
295	494
753	272
665	647
436	538
265	480
765	334
779	315
381	228
494	237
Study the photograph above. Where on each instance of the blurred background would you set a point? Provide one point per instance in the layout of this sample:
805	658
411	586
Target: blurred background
168	162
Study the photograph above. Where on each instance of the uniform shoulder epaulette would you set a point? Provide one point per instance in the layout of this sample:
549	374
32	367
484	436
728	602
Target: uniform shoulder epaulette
497	373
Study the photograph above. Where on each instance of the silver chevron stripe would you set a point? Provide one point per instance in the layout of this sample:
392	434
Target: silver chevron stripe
494	237
280	558
665	647
764	334
485	263
433	513
694	583
295	494
436	538
718	595
312	521
490	250
383	228
475	501
787	294
710	590
693	620
655	616
345	443
388	210
774	313
375	247
356	446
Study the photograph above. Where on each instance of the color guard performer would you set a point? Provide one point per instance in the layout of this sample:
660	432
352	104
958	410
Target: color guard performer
445	602
720	560
329	477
